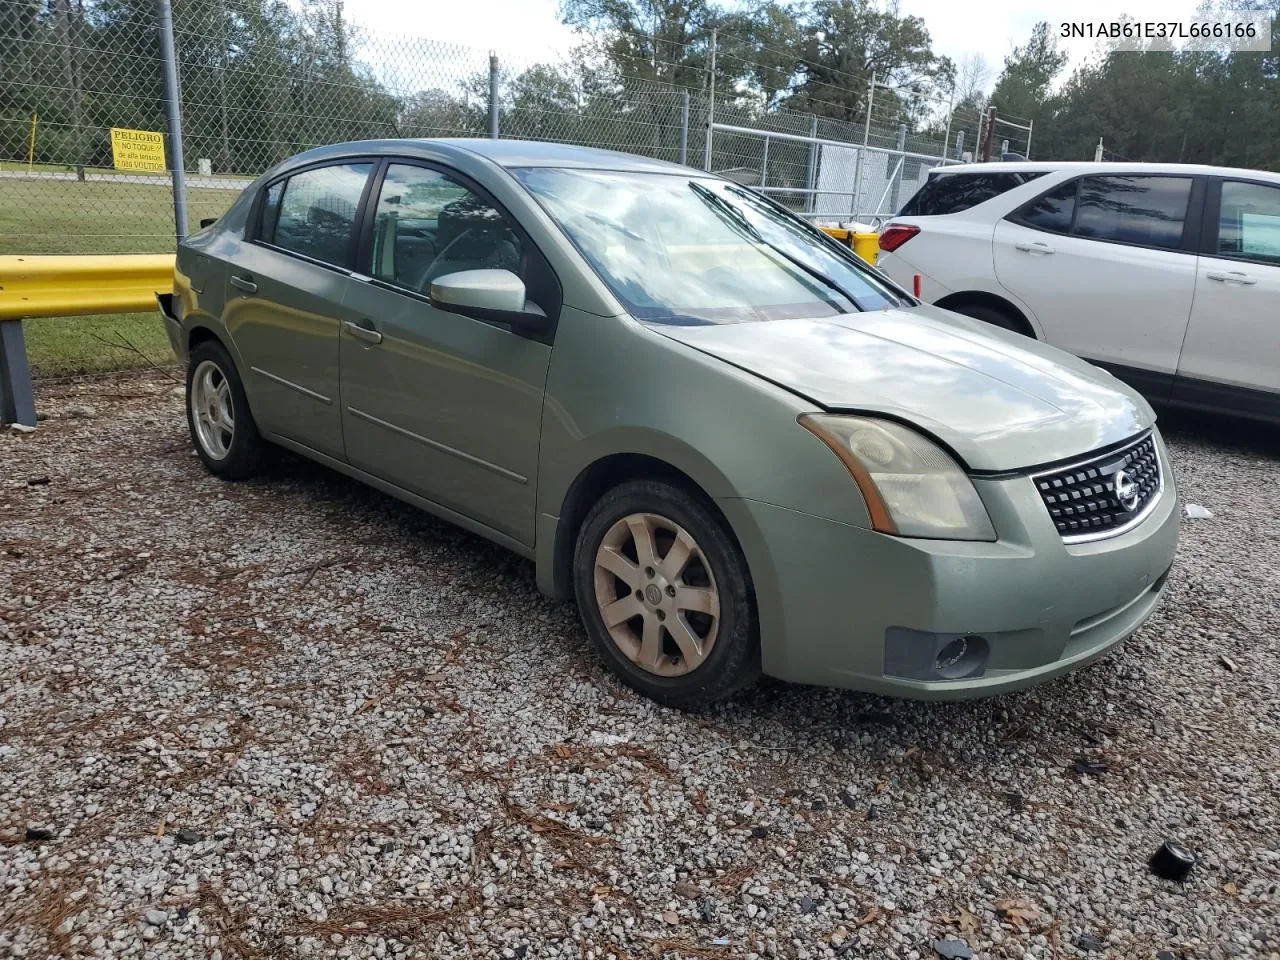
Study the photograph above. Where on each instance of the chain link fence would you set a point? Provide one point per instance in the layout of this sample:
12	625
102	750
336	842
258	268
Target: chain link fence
259	83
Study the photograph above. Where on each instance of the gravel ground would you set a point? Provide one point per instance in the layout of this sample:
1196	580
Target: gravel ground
297	718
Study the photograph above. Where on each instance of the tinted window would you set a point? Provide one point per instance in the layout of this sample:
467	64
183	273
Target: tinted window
317	212
1148	211
1052	211
1249	222
427	225
953	192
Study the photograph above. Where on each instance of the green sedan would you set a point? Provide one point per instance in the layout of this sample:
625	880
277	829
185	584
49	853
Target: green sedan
739	448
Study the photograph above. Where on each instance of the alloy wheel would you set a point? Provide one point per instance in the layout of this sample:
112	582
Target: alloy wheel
657	594
212	410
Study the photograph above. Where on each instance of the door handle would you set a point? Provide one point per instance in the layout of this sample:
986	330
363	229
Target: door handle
1232	276
362	333
1036	247
244	283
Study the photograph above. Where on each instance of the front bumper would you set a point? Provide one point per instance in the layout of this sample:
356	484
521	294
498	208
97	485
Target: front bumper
834	598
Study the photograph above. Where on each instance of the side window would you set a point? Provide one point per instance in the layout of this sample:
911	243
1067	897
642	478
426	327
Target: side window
1249	222
1148	211
427	224
1052	211
315	216
952	192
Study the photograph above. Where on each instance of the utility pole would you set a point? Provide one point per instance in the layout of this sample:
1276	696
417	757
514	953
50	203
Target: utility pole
989	138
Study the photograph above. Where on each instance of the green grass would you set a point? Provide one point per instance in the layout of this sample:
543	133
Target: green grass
70	217
62	346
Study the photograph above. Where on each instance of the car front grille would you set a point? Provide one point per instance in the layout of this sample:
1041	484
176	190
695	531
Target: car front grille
1104	495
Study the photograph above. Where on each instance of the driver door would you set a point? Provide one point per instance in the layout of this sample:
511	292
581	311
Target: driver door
439	404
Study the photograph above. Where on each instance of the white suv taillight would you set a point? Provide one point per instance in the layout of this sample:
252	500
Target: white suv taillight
895	235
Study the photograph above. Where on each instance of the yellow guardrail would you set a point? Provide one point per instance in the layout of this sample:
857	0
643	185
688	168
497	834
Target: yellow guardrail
77	285
865	245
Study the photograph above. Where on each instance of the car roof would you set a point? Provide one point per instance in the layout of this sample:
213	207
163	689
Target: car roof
505	153
1111	167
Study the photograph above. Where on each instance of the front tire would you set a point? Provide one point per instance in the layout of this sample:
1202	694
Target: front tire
222	428
665	595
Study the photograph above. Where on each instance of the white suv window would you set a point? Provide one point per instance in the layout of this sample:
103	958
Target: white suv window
1249	222
1146	211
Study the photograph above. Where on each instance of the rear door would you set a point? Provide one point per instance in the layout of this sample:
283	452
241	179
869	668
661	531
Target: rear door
1232	353
1108	266
439	404
284	300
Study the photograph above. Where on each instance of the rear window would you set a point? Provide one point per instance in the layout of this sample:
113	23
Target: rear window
316	214
946	193
1147	211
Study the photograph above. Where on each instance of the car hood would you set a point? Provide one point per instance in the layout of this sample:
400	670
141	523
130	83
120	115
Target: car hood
999	400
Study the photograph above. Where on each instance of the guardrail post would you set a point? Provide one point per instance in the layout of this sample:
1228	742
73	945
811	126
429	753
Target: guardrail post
17	401
169	54
902	156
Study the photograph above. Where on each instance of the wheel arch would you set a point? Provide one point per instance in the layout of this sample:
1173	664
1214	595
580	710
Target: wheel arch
591	482
957	301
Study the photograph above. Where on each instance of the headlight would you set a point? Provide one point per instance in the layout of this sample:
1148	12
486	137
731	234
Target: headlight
911	486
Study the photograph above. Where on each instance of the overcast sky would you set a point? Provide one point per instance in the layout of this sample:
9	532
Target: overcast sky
531	30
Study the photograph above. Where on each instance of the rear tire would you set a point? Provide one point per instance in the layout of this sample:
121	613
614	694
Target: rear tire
222	428
992	315
665	595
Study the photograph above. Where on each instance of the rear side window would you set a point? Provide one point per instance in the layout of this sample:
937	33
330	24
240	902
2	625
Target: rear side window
1249	222
1053	211
1147	211
946	193
315	214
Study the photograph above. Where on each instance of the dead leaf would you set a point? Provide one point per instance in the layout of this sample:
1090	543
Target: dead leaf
1019	911
160	826
562	751
367	705
1230	888
559	807
871	916
671	917
602	890
968	922
688	890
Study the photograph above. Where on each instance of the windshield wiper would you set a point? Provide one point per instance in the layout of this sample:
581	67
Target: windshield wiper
740	219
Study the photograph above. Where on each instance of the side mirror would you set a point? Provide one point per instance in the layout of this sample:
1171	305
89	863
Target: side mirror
495	296
207	222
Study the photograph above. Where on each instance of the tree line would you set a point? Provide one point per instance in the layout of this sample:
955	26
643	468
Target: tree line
262	79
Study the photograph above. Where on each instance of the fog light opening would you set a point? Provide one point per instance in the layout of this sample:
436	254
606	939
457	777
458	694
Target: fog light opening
963	657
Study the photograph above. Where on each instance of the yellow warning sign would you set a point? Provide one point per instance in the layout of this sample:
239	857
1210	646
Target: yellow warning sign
138	150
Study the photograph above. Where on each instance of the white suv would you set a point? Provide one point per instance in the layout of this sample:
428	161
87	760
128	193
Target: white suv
1166	274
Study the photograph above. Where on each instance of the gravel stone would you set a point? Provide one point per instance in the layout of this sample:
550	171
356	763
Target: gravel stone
390	746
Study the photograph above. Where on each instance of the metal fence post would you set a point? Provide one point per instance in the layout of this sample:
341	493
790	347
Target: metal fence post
711	107
811	178
493	96
764	163
173	98
684	128
17	402
902	162
1030	125
854	212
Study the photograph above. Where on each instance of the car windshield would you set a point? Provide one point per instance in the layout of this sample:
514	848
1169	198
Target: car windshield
696	250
